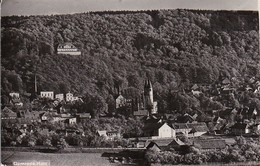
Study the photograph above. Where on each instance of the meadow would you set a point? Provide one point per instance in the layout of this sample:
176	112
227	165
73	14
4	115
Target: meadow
67	159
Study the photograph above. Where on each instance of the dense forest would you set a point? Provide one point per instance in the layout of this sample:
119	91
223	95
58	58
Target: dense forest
174	48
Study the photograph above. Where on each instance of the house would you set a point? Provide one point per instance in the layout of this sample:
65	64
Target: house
120	101
159	130
67	48
168	116
209	144
70	97
28	116
181	129
113	134
153	146
108	135
47	94
254	129
195	87
248	113
176	143
161	143
227	90
196	93
46	116
139	143
82	116
56	118
7	113
65	116
60	96
71	120
14	95
152	120
240	129
141	113
16	101
197	129
186	118
102	133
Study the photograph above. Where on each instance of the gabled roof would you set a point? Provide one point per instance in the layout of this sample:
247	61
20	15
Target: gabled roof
195	87
153	126
141	113
16	100
152	119
180	126
7	112
102	132
198	127
217	119
184	118
176	142
65	115
119	96
210	143
153	145
160	142
225	113
84	115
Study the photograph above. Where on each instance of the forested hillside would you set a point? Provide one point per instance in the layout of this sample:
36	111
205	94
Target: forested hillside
174	48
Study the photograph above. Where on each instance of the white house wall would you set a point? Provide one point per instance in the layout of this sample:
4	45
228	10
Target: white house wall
166	131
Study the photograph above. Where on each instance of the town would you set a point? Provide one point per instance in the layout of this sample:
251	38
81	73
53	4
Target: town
56	114
131	87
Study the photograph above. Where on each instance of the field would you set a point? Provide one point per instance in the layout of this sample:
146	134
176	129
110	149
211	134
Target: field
67	159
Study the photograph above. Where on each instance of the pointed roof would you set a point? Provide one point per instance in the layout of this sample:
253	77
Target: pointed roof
102	132
176	142
160	142
147	83
154	146
7	112
195	87
198	127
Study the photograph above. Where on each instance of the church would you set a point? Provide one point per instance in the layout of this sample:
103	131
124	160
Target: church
141	105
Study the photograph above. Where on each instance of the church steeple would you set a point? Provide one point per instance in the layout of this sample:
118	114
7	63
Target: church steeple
148	96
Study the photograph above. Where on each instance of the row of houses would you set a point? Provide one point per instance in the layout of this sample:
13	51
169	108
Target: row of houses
27	116
177	144
68	97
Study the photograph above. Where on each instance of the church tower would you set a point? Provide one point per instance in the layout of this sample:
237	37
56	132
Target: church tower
148	96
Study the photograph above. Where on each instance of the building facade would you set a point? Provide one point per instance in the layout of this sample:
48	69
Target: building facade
68	48
60	97
47	94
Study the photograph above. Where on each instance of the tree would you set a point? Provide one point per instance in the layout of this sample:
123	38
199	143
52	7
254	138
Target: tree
62	143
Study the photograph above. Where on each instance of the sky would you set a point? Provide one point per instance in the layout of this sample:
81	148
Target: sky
47	7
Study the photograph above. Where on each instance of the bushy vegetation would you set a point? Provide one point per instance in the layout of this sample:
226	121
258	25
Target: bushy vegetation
241	151
127	127
174	48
